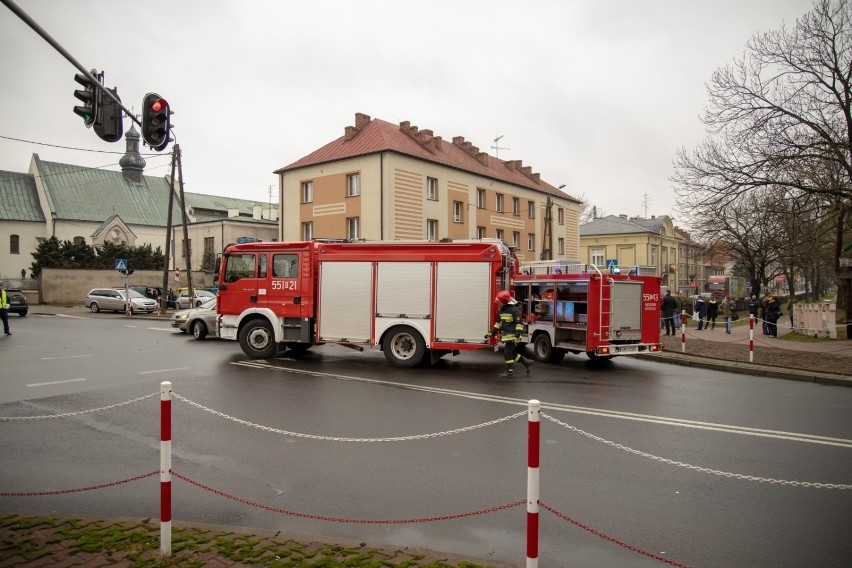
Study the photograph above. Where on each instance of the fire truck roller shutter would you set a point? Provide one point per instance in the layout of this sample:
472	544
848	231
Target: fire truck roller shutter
463	301
346	301
626	310
402	290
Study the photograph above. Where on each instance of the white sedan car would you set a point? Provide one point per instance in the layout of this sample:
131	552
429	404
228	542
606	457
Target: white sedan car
199	297
200	322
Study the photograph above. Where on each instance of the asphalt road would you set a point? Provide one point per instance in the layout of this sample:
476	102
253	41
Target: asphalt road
731	424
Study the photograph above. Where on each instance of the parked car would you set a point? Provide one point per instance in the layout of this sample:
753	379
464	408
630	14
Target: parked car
152	292
200	322
114	299
198	298
17	302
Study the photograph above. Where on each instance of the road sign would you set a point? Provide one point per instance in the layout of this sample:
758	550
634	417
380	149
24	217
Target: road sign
121	264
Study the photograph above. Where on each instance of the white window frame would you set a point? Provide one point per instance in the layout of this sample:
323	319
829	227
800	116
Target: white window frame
353	185
307	191
597	256
530	241
432	189
560	246
516	206
307	230
458	212
498	203
480	232
352	228
431	229
560	216
531	209
480	199
516	238
500	235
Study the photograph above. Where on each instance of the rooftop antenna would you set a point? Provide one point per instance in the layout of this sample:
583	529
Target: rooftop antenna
497	148
646	200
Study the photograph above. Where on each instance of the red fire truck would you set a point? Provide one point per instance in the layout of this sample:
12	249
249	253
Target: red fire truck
405	298
579	308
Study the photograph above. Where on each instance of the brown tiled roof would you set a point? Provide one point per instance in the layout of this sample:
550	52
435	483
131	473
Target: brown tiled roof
371	136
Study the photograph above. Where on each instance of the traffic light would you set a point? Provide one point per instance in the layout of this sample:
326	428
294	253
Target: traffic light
110	128
89	95
156	121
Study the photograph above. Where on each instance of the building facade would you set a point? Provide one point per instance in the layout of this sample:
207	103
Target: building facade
382	181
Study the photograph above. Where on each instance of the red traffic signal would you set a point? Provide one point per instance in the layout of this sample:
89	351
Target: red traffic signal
156	121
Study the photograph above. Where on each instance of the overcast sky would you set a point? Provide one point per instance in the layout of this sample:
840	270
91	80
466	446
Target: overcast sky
594	94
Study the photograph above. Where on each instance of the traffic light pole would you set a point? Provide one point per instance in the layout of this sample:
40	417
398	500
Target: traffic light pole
47	37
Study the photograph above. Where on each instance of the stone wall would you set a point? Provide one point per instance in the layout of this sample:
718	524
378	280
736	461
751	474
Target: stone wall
70	286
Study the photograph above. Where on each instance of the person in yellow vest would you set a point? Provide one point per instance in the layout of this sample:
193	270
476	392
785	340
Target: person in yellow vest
4	310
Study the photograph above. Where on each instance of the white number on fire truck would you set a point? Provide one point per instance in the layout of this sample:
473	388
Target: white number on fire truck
284	285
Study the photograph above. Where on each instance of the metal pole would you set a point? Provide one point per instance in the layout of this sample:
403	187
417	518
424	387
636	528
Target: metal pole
166	468
533	445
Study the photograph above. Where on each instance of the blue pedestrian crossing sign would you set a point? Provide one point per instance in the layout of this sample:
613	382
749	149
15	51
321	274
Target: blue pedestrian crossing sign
121	264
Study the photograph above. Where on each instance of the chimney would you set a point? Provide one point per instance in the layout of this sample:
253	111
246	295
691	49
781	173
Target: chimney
623	216
233	213
350	132
361	120
439	143
482	158
536	177
526	170
257	212
458	140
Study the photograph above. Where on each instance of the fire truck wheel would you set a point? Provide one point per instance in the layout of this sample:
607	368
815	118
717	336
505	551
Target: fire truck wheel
257	339
403	347
543	350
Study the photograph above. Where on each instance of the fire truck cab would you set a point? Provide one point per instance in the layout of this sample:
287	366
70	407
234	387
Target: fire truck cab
578	308
408	299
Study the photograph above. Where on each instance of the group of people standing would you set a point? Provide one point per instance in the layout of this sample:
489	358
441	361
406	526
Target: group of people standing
768	310
708	310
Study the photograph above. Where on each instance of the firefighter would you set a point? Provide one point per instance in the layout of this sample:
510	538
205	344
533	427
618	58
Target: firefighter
510	327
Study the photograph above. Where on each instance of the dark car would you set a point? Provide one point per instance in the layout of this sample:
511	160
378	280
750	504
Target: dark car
17	302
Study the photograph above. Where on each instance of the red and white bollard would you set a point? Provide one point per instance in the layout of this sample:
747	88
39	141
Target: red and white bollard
166	468
533	445
683	331
751	338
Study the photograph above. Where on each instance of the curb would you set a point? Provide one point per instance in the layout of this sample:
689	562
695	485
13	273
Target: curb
698	361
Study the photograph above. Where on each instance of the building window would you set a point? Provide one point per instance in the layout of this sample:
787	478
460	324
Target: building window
597	256
499	207
431	189
531	209
458	212
307	230
560	215
480	199
352	228
560	247
530	241
307	192
652	255
516	206
500	234
516	238
14	244
208	245
480	232
79	240
186	245
431	229
353	185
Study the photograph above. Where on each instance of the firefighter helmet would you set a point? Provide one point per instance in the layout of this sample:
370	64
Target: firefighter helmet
504	297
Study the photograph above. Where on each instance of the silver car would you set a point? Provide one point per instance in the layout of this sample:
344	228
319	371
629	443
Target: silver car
199	297
115	299
200	322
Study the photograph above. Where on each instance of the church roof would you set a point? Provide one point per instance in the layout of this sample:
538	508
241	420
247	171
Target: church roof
19	198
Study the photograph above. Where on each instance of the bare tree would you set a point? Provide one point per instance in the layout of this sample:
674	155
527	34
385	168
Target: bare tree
777	115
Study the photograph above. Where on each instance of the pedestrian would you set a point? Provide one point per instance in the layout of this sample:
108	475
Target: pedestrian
712	312
23	275
510	327
678	309
726	310
764	303
4	310
700	310
753	306
773	313
790	305
667	310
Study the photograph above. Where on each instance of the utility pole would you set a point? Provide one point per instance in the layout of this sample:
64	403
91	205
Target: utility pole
547	240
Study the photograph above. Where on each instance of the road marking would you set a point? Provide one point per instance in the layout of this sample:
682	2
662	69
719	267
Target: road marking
711	426
163	371
65	357
54	383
